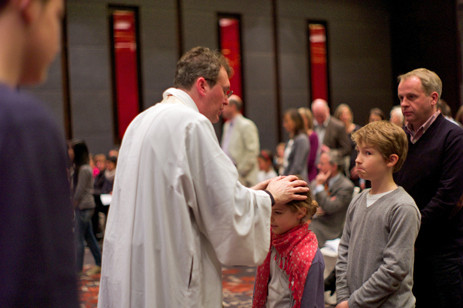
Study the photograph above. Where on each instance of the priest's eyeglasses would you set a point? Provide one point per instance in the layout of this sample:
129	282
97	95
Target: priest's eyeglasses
226	92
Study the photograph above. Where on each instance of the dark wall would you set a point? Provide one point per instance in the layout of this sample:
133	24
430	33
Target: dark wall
424	33
370	43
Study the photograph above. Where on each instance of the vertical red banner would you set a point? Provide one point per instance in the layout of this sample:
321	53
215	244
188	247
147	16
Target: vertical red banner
318	63
125	68
231	49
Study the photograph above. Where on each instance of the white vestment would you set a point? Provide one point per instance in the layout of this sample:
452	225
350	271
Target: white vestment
178	213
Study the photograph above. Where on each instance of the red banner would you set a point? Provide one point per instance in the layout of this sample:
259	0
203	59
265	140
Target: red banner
126	68
318	65
230	46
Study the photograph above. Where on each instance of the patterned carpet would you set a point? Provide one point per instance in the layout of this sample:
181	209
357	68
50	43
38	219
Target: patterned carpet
238	283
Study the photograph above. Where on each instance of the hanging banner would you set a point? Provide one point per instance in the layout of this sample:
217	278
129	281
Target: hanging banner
318	63
231	49
125	68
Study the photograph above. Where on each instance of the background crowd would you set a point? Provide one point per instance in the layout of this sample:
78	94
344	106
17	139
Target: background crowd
184	198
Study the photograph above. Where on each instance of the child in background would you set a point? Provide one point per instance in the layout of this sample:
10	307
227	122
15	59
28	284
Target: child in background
376	252
292	273
266	170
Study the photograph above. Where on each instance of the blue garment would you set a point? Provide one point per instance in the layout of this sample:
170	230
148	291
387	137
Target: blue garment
84	233
37	255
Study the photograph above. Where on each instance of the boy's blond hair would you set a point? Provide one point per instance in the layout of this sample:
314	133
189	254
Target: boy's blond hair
386	137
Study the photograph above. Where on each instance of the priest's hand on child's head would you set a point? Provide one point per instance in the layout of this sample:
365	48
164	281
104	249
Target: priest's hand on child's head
288	188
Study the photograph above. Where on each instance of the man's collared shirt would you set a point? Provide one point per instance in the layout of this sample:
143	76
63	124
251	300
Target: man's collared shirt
330	181
226	138
416	135
320	129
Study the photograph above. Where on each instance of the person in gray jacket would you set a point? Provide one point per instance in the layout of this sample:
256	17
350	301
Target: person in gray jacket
333	192
84	204
297	148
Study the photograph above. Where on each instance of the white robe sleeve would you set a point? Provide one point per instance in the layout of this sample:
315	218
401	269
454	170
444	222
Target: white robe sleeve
235	219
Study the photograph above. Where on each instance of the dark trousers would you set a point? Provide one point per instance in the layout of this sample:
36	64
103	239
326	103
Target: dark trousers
438	280
84	234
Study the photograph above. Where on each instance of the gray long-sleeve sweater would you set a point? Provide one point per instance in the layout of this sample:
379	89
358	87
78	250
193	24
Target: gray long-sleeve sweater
83	193
376	253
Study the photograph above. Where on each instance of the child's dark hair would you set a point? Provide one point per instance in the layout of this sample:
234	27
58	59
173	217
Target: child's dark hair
309	204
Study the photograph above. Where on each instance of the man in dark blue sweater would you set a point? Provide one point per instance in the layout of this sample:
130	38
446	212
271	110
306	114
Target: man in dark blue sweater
37	254
433	176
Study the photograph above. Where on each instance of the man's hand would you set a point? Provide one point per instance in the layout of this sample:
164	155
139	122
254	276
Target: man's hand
263	185
287	188
320	211
321	177
325	149
343	304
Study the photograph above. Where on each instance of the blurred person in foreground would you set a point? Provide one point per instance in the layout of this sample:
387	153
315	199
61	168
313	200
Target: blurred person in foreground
178	211
37	256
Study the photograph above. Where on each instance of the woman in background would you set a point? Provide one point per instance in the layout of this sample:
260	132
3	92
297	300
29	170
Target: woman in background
84	205
344	113
297	148
314	148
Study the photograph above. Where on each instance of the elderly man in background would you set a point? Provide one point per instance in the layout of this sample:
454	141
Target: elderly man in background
333	192
240	141
396	116
331	132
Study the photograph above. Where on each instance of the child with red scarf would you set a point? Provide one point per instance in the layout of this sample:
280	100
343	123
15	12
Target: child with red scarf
292	273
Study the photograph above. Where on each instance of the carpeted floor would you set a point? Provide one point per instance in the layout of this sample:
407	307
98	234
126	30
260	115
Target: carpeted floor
238	283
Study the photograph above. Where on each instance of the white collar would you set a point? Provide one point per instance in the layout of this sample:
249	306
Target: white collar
182	96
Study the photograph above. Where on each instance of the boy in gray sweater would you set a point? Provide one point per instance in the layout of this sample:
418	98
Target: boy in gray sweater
376	252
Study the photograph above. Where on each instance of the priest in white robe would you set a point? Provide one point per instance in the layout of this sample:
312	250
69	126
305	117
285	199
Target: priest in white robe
178	212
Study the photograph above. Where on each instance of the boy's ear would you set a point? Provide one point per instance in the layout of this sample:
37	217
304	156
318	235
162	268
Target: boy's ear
392	160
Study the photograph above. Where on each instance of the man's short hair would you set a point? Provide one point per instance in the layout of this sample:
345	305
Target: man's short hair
430	81
397	110
386	137
335	158
444	108
199	62
234	101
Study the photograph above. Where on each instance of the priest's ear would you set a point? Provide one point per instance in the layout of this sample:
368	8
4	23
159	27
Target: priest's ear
201	86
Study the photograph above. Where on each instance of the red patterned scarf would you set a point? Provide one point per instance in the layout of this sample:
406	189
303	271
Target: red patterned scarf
295	252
